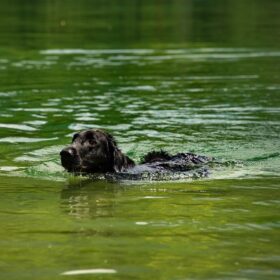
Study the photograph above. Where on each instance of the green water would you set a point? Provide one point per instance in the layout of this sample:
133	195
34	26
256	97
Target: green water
199	76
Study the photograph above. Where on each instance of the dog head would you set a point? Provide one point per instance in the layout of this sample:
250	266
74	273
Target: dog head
94	151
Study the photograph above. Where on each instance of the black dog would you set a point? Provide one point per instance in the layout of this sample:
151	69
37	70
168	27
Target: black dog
96	151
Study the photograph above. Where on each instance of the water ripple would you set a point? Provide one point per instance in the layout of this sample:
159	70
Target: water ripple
25	139
88	51
90	271
17	127
8	94
138	88
99	58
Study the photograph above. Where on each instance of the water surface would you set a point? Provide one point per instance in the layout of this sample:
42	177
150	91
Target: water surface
181	76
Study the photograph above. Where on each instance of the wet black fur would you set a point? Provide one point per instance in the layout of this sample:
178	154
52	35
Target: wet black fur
156	156
96	151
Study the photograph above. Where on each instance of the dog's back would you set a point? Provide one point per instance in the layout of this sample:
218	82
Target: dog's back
159	165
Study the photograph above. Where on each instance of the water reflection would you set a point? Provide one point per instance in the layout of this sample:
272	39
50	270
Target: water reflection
85	199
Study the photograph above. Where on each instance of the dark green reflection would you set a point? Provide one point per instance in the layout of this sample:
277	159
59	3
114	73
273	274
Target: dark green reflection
91	23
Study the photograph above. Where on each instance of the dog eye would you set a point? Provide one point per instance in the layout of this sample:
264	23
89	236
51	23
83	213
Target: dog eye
92	141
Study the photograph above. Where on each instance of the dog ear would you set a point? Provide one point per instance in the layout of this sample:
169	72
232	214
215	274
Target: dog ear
119	161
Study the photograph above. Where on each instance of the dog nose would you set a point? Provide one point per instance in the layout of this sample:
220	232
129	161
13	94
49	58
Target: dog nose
68	152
